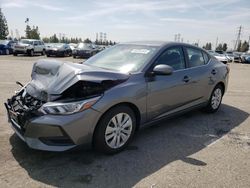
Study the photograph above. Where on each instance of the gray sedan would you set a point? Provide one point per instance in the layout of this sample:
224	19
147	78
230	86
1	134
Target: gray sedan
104	101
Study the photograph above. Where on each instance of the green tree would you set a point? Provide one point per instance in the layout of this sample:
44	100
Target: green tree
219	47
244	47
87	40
54	39
3	26
224	47
32	33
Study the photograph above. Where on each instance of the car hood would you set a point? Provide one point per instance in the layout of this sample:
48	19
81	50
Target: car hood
52	77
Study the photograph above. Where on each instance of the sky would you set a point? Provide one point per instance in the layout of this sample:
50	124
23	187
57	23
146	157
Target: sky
133	20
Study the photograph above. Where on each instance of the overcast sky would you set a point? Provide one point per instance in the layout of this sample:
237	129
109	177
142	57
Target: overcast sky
129	20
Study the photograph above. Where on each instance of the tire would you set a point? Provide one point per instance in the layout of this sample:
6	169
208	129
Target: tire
14	54
107	133
31	53
7	52
215	99
74	56
48	55
43	52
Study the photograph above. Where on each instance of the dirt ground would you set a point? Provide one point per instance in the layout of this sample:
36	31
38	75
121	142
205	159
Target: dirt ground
193	150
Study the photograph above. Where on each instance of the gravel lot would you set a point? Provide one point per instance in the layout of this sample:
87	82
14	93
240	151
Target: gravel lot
194	150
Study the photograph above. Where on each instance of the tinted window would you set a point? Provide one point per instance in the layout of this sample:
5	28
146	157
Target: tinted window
173	57
195	57
35	42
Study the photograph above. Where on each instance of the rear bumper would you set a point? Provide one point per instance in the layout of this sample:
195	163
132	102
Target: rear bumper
56	132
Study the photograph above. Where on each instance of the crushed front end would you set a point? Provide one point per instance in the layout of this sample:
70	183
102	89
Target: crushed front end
54	110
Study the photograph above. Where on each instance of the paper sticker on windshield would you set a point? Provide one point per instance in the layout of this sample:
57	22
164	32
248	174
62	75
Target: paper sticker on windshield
140	51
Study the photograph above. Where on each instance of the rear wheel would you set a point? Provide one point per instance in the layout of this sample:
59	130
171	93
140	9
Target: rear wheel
115	130
7	52
31	53
215	99
43	52
14	54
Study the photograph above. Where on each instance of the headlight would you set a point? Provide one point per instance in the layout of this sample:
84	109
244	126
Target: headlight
61	108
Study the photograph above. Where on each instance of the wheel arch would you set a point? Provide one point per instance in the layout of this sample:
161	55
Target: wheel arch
222	85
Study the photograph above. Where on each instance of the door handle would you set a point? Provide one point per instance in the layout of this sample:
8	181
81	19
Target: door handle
213	71
186	79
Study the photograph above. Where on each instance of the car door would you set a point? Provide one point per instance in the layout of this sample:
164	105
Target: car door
167	93
36	46
201	73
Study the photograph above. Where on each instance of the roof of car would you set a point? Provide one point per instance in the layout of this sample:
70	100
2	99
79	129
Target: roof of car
31	39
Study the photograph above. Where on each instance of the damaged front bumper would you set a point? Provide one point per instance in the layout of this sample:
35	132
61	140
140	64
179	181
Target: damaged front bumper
50	132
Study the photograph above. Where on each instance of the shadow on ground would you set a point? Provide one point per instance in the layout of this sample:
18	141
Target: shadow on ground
153	148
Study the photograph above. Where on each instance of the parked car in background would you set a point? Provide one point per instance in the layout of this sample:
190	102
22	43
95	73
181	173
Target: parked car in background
84	50
247	60
222	58
104	101
58	49
235	55
244	56
230	59
30	47
6	47
72	46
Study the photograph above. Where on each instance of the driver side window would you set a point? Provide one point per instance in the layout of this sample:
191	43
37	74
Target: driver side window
173	57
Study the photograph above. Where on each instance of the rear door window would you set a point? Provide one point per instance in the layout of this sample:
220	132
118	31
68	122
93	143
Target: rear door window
195	57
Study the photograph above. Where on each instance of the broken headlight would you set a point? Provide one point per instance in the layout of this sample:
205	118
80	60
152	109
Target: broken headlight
64	108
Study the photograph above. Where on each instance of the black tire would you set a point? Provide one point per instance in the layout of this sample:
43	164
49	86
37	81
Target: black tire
74	56
48	55
14	54
7	52
43	52
99	141
31	53
210	108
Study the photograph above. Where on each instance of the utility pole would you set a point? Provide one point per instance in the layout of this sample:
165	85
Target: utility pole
175	37
238	37
216	43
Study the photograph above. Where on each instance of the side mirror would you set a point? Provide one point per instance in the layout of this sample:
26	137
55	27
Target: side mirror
163	69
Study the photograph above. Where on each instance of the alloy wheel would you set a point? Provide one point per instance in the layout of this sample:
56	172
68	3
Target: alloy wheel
119	130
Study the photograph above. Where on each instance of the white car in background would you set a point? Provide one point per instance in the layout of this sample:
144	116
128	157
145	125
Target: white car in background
29	46
221	57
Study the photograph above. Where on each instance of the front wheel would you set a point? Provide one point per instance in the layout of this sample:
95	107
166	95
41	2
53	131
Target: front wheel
7	52
115	130
215	99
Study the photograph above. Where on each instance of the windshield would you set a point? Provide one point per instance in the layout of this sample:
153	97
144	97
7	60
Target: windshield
83	46
5	42
123	57
26	42
57	45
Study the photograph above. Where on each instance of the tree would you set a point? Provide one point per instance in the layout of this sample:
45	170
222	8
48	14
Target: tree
220	47
244	47
224	47
3	26
54	39
87	40
32	33
208	46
